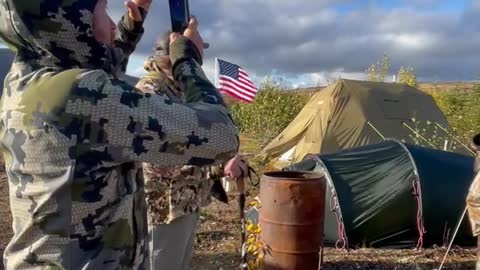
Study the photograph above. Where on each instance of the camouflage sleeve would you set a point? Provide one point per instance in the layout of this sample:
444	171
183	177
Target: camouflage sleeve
189	75
127	125
159	83
473	205
129	34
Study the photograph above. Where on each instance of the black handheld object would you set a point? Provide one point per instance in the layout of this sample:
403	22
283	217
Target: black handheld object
179	15
218	192
476	141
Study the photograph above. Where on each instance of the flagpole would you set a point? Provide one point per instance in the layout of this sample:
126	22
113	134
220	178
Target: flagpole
216	72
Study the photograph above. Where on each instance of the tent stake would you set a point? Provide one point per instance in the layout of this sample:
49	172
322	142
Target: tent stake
453	237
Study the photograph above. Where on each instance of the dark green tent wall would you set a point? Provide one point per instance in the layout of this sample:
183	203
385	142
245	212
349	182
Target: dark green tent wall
392	194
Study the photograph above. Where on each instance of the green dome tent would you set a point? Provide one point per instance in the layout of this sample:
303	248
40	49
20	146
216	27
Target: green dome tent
392	194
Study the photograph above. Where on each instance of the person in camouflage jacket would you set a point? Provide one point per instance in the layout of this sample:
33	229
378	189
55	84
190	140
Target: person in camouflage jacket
72	132
174	196
171	192
473	197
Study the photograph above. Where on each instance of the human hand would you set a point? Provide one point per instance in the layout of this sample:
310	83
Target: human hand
145	4
191	32
235	168
133	11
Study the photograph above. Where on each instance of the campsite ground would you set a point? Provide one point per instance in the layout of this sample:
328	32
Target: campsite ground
217	244
218	247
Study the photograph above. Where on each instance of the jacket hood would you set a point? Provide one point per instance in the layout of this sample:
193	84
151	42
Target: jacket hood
52	33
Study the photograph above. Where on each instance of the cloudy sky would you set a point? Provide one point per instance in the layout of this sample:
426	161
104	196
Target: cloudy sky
310	42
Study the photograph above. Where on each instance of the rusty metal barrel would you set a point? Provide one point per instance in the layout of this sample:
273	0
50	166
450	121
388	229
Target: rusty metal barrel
291	219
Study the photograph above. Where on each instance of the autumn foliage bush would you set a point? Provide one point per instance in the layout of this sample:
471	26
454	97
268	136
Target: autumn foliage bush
272	110
461	108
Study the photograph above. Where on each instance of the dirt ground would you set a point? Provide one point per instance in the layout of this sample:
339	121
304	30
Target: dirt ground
218	247
218	244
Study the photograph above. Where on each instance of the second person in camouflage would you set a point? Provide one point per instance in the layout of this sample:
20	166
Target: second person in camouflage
174	196
473	197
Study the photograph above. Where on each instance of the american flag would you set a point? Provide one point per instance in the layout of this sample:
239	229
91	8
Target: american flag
234	81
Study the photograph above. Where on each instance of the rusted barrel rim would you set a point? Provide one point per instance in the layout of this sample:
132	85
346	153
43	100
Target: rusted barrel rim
293	175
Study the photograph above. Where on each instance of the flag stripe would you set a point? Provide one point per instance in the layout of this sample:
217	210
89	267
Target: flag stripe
242	76
238	93
236	96
249	85
246	82
227	85
241	86
243	73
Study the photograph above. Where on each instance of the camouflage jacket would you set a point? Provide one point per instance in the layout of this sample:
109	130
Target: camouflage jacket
473	205
473	198
72	135
174	192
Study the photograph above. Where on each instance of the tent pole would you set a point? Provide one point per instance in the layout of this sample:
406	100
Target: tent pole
453	137
376	130
453	237
418	134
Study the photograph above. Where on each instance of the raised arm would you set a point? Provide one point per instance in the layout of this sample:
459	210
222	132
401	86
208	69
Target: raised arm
129	32
130	126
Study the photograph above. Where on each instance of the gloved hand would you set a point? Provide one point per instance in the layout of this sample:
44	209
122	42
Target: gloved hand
162	46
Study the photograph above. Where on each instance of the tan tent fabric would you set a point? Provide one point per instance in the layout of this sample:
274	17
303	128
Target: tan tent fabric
337	118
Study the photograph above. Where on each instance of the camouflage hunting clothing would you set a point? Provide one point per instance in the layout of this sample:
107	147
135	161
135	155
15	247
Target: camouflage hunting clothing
72	134
473	198
473	205
173	192
178	191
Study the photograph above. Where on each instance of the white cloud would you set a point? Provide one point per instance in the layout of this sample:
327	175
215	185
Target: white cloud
325	78
411	41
